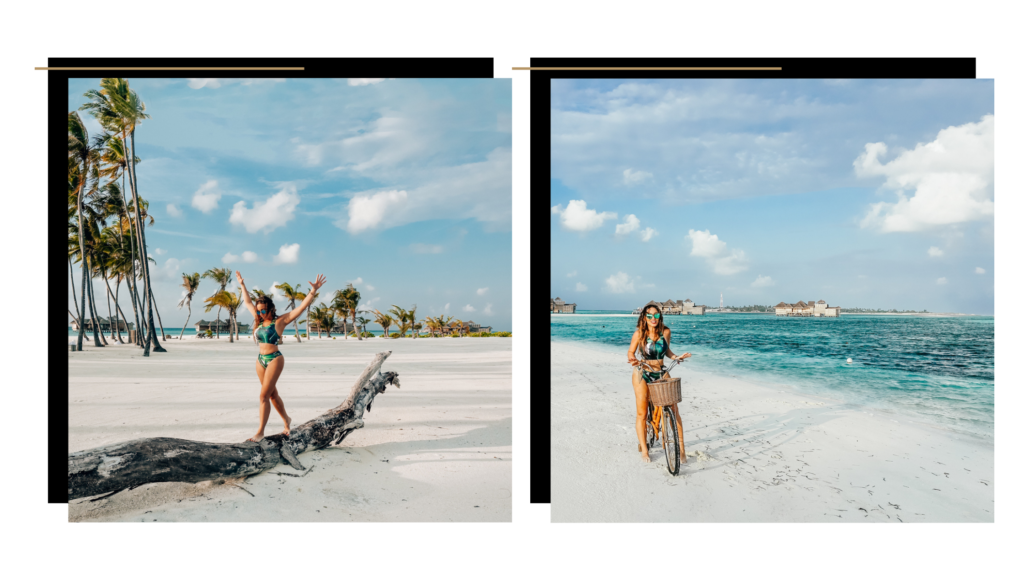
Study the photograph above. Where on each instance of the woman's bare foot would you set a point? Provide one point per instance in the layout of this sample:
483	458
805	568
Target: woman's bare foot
643	455
255	438
287	427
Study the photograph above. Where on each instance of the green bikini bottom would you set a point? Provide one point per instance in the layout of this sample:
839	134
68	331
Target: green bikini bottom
265	359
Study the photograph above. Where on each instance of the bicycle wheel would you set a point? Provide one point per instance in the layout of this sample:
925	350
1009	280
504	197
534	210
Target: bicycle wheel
651	432
670	439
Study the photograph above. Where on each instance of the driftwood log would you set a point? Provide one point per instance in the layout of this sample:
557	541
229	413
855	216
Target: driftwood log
117	467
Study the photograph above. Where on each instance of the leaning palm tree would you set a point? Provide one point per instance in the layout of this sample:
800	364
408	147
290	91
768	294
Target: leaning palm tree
340	305
82	157
401	318
363	321
308	309
351	297
190	282
292	293
119	110
222	276
385	321
412	322
227	301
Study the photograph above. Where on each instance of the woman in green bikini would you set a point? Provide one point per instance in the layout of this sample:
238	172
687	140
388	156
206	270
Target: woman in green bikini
652	337
270	362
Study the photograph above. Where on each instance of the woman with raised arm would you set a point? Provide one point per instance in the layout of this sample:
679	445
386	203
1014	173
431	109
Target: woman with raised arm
652	338
270	362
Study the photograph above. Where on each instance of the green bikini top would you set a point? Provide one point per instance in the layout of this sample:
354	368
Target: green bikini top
267	334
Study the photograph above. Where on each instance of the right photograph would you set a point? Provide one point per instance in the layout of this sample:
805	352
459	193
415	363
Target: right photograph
772	300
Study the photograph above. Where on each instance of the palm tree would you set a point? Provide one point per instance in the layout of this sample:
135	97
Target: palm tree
292	294
308	309
351	297
363	321
402	317
385	321
81	158
190	282
120	110
340	305
222	276
412	322
230	302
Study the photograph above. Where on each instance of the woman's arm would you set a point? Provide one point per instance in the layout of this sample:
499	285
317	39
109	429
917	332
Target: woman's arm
293	315
631	355
668	348
245	294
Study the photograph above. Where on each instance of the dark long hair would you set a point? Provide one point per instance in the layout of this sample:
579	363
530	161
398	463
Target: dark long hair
641	324
259	320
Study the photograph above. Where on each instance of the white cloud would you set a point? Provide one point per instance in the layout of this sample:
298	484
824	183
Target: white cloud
448	307
949	180
647	233
171	270
426	248
488	310
364	81
935	251
289	254
173	211
229	258
941	281
763	281
248	256
357	281
370	288
481	291
631	178
723	261
275	291
571	274
620	283
267	215
979	270
581	287
468	308
160	251
206	197
578	218
631	223
366	212
197	83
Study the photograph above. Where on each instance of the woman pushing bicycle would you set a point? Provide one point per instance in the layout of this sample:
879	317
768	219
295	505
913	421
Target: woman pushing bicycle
652	338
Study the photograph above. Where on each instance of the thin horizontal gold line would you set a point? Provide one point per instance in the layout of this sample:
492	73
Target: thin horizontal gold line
649	68
162	68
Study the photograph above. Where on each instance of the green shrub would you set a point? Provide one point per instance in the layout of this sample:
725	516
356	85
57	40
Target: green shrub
368	335
209	333
394	335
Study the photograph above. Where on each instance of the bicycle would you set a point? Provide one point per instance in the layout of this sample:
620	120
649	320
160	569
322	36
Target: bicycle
662	395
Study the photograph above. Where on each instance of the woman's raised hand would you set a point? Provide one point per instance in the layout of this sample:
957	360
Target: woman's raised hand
239	276
684	356
320	281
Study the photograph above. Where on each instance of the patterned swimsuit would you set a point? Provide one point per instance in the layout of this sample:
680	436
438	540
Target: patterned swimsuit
653	351
267	335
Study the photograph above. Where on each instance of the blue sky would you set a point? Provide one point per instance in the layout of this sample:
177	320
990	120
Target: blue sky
864	193
401	186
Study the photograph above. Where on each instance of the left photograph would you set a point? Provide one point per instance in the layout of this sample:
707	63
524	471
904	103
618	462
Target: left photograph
289	300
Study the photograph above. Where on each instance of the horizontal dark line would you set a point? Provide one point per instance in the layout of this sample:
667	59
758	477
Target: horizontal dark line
165	68
648	68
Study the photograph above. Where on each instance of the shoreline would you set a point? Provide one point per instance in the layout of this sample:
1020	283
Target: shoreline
757	453
437	449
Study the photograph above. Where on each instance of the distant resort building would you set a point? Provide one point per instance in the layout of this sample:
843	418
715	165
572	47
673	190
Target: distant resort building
105	324
472	326
801	308
677	308
223	325
558	306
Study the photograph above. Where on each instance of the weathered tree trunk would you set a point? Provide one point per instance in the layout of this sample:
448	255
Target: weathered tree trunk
129	464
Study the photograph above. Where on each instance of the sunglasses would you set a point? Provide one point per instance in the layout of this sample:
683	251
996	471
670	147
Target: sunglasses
263	311
653	316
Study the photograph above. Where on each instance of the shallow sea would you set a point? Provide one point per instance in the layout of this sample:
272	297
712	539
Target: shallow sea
938	369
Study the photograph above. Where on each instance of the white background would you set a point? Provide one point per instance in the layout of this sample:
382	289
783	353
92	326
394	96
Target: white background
37	536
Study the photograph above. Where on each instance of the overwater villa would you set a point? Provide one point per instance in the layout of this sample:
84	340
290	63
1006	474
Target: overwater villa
105	324
469	326
223	325
801	308
677	308
559	306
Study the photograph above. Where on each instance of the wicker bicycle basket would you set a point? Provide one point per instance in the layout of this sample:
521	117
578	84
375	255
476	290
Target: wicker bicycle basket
665	392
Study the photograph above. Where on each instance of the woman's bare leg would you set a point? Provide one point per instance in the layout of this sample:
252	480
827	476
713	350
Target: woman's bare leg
268	377
279	406
640	391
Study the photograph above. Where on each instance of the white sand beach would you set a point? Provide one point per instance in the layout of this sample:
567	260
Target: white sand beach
437	449
757	453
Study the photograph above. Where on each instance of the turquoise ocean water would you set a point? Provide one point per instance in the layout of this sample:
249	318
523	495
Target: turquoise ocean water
937	369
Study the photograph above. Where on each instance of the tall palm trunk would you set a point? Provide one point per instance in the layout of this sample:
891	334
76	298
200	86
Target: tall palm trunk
160	321
97	333
133	289
117	308
78	314
359	333
148	287
189	302
81	251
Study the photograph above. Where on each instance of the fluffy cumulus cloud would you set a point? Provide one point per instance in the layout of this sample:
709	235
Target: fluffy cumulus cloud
426	248
489	310
581	287
629	224
206	197
941	281
935	252
631	178
197	83
366	212
248	256
288	254
268	214
468	308
979	270
578	218
722	260
230	258
481	291
364	81
763	281
946	181
173	211
160	251
620	283
647	233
